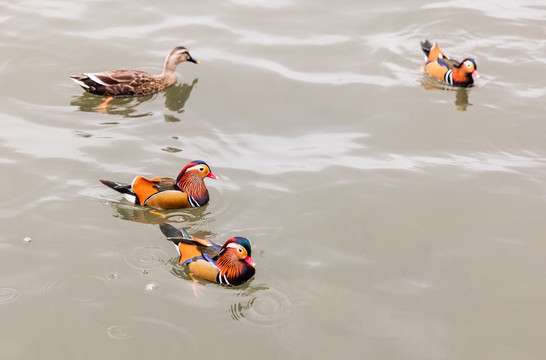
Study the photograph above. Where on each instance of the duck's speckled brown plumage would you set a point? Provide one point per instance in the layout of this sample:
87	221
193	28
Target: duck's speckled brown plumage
123	83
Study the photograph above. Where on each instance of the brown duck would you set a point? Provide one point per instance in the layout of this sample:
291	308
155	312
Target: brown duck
124	83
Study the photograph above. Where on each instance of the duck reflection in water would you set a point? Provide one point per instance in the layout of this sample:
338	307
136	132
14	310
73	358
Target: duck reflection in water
461	93
125	210
126	107
177	95
175	99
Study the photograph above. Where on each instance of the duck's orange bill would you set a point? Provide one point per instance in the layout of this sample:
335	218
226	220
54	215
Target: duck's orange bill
211	175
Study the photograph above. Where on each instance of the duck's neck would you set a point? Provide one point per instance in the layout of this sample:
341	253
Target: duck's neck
194	186
233	270
169	71
461	76
229	265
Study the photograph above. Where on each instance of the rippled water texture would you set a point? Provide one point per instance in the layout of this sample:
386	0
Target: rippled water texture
391	217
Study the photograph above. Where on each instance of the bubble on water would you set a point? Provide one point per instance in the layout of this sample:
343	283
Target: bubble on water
151	287
113	276
27	239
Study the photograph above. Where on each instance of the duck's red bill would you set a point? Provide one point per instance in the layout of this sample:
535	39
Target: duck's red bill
250	262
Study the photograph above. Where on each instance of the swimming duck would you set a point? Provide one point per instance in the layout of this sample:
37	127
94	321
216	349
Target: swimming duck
123	83
163	193
448	70
229	264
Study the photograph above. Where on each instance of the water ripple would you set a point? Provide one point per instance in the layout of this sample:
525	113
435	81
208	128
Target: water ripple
119	332
267	4
8	294
286	154
510	10
315	40
48	9
262	306
91	291
152	330
333	78
506	162
308	153
146	257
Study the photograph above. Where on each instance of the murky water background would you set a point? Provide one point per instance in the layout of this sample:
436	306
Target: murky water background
391	218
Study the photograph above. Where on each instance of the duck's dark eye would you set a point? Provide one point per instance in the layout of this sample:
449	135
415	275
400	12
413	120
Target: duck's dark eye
240	250
201	169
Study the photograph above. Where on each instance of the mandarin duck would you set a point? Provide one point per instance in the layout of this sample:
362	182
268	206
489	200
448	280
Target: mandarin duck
124	83
447	70
229	264
163	193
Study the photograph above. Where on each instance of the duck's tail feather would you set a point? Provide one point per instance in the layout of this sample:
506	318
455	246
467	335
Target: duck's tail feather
122	188
80	80
171	232
426	46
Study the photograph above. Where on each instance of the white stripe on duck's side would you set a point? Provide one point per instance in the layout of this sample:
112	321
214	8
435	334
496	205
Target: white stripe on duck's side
193	202
222	279
448	77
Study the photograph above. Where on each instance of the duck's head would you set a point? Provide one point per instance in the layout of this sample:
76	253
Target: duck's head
238	247
234	263
469	65
198	167
181	54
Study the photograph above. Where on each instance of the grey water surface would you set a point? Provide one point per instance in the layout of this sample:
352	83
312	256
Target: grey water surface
391	217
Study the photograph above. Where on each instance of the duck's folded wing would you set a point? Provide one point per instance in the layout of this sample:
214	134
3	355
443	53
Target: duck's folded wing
145	188
117	77
449	63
